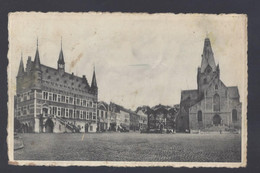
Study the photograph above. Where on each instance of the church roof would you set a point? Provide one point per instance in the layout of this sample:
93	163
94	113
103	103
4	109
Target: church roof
233	92
191	94
207	56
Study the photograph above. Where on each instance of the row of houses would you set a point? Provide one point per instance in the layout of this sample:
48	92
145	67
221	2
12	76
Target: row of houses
114	117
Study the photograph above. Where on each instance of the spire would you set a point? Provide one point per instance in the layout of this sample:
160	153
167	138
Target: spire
21	67
207	56
94	81
61	57
37	62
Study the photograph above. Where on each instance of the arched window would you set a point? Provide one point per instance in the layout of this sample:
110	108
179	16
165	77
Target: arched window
216	87
216	103
199	116
234	115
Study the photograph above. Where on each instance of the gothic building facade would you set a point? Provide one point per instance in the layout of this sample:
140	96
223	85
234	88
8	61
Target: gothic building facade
52	100
212	104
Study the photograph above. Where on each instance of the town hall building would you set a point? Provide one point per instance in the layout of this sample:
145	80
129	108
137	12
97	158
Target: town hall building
53	100
213	105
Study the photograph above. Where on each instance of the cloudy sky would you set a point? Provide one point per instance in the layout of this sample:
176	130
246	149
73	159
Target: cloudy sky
140	59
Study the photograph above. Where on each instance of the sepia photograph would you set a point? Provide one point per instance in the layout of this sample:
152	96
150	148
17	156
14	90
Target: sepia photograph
127	89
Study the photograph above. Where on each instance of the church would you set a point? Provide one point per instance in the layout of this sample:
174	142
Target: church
213	106
52	100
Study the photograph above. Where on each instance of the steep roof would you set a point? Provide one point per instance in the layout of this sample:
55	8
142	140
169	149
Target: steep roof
94	81
189	94
21	68
61	58
37	62
233	92
52	75
207	56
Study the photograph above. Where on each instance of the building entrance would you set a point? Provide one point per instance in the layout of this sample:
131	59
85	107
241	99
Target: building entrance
49	126
216	120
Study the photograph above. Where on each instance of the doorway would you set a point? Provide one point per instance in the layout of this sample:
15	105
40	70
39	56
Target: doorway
216	120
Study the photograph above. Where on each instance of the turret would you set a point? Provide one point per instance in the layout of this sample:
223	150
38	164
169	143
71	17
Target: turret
36	70
61	62
94	82
21	68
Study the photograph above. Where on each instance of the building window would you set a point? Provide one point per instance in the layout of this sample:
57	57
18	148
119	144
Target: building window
67	99
78	101
216	87
199	116
84	114
58	111
59	98
71	100
106	115
77	115
70	113
90	115
87	115
81	102
62	112
63	99
45	95
234	115
216	102
67	113
55	110
84	103
50	110
102	114
55	97
81	114
50	96
90	104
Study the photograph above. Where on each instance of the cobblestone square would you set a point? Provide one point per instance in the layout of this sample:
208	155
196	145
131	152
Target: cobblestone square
131	147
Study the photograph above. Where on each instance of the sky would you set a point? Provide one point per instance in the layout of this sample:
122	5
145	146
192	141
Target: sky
140	59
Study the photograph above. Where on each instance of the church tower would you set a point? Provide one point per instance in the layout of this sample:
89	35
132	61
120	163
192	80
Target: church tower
208	70
61	62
